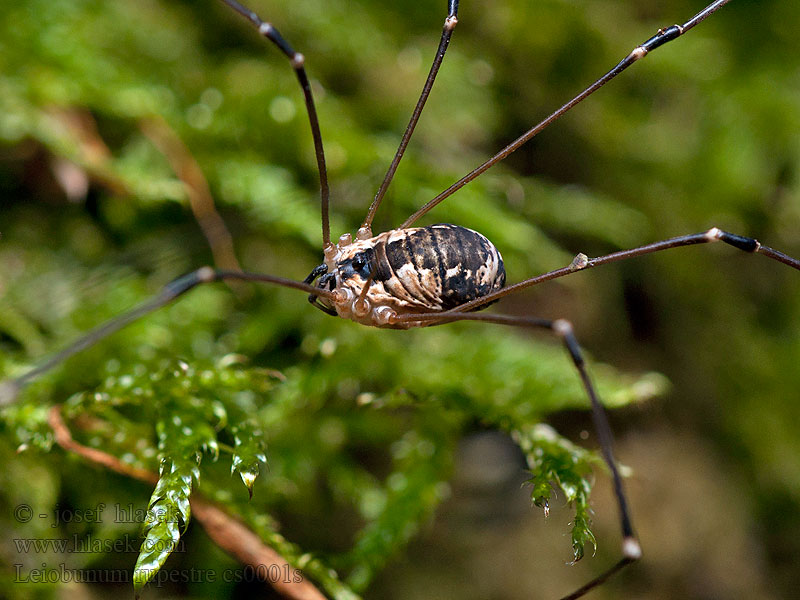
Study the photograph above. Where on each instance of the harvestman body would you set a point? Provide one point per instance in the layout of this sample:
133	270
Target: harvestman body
419	276
418	270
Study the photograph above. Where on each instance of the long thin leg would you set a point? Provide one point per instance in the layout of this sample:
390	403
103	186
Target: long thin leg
297	60
631	550
662	37
582	262
449	25
10	388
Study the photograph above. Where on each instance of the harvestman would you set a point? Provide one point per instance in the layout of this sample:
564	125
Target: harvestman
421	276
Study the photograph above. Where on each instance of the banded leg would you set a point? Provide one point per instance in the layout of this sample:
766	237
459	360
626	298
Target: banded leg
297	60
449	25
10	388
663	36
631	550
582	262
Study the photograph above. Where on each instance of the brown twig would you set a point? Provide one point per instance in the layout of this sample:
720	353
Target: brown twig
228	533
93	156
200	199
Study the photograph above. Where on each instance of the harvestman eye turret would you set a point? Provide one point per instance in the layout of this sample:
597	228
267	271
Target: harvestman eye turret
422	276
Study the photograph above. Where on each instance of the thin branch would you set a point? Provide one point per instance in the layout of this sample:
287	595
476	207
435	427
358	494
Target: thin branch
64	439
92	158
200	199
227	532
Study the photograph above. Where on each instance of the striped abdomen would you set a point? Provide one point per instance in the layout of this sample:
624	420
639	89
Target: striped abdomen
416	270
441	266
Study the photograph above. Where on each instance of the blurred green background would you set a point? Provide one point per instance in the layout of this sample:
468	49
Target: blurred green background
96	100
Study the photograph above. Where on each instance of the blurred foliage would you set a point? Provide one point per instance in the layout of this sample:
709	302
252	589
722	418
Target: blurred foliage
361	427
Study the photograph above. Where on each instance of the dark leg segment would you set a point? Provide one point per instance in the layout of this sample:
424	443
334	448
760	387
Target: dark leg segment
662	37
11	387
582	262
449	25
563	329
297	60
